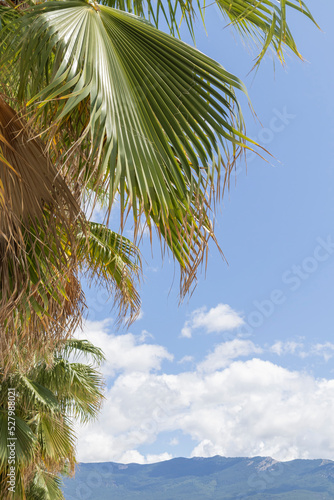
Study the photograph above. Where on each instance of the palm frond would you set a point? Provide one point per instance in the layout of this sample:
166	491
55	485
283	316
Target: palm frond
25	444
46	400
78	388
171	13
156	112
25	440
37	396
113	261
57	438
265	22
44	486
82	347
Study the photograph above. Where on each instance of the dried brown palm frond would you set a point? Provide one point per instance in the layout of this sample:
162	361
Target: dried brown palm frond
40	296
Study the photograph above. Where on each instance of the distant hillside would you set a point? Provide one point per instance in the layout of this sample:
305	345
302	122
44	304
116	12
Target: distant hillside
218	478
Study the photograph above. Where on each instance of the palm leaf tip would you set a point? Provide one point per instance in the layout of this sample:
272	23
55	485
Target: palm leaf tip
82	347
113	261
265	22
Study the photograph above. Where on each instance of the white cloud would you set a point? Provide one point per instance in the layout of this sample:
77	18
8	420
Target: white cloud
289	347
226	406
151	459
218	319
140	315
186	359
95	212
126	353
145	335
325	350
152	269
174	442
186	331
227	351
133	456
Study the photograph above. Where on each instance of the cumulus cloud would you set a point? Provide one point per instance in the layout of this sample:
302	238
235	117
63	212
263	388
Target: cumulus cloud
124	353
218	319
227	406
225	352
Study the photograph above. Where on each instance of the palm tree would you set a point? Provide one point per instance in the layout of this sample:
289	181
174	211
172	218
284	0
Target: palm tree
98	103
47	400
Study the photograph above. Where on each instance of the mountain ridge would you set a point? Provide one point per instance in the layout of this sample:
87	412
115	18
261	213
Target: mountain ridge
199	478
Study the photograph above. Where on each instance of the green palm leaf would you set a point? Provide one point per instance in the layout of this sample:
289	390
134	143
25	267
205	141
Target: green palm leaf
170	12
265	21
45	486
57	437
82	347
113	261
25	440
160	112
25	449
77	386
36	395
46	398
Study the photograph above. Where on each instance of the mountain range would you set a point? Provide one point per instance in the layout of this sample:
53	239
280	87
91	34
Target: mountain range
218	478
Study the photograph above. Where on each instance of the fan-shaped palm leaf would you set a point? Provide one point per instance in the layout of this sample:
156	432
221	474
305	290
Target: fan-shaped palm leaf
35	395
160	112
75	384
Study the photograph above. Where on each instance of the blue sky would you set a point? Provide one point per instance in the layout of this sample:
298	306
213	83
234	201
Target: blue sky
245	366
